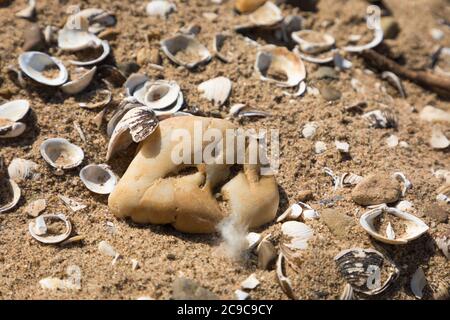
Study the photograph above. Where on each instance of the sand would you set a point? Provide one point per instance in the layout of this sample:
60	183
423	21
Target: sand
163	253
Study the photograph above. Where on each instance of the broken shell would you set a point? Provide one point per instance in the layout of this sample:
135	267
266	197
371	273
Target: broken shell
102	102
61	154
414	226
15	192
418	283
284	281
309	130
36	207
266	253
253	239
381	118
95	19
75	40
185	50
342	146
106	50
313	42
267	15
50	34
21	169
34	63
280	66
29	11
361	268
216	90
321	58
136	125
350	179
392	141
32	228
9	129
377	37
163	97
78	85
160	8
250	283
444	244
98	178
241	295
106	249
438	140
395	80
71	203
218	44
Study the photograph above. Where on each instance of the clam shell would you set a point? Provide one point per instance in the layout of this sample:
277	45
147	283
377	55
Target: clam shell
72	204
160	8
136	125
280	60
118	115
298	232
106	51
216	90
98	178
21	169
75	40
50	239
78	85
12	185
361	268
418	283
189	45
415	227
313	47
134	81
9	129
33	63
267	15
61	154
14	110
217	45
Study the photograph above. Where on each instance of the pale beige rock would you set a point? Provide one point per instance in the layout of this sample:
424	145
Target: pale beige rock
376	189
151	191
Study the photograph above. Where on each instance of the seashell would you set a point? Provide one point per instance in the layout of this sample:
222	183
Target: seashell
107	98
253	239
266	15
163	97
299	233
443	243
342	146
34	63
347	293
36	207
362	269
392	141
415	227
340	62
241	295
96	20
136	125
320	147
404	205
106	50
266	253
246	6
418	283
218	44
134	264
50	34
216	90
381	118
38	229
76	40
393	78
406	183
185	50
433	114
321	58
438	140
313	42
160	8
284	281
9	129
21	169
61	154
309	130
106	249
250	283
14	190
10	113
71	203
78	85
98	178
377	37
350	179
280	66
28	12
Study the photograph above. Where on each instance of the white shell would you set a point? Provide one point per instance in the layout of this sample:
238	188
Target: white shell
415	227
29	11
392	141
418	283
40	236
342	146
347	293
160	8
97	18
433	114
134	81
190	45
15	195
32	63
216	90
284	281
21	169
136	125
438	140
11	129
299	233
320	147
443	243
266	253
54	148
78	85
253	239
309	130
377	39
266	15
106	51
98	178
102	103
108	250
281	60
71	203
313	47
388	75
75	40
14	110
250	283
241	295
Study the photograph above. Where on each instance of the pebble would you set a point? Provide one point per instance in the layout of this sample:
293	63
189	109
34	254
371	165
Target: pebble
36	207
247	6
390	27
392	141
320	147
329	93
338	223
436	212
325	73
187	289
305	195
377	188
33	38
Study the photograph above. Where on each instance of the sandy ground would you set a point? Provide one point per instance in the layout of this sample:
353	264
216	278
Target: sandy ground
164	253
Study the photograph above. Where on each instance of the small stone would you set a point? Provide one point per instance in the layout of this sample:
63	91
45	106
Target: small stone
36	207
305	195
390	27
33	38
329	93
325	73
320	147
436	212
338	223
187	289
377	188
